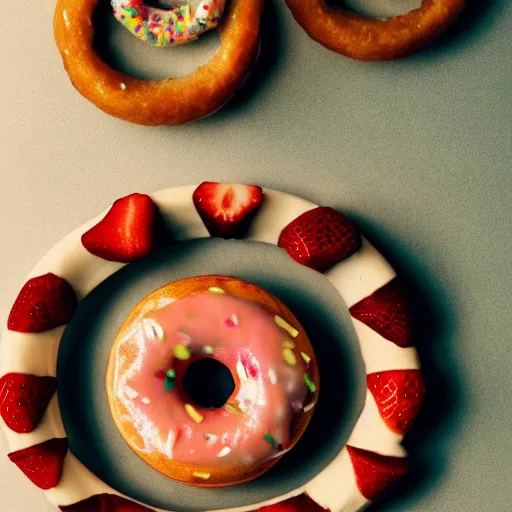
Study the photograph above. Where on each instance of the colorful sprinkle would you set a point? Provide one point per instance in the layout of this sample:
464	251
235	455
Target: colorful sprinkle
288	344
308	407
152	329
181	352
146	401
185	22
281	322
207	349
231	409
269	438
169	380
289	357
310	384
232	321
240	370
216	291
305	357
202	476
225	451
198	418
229	322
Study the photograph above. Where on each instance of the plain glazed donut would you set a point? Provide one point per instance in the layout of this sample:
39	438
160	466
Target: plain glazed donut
169	101
234	323
345	32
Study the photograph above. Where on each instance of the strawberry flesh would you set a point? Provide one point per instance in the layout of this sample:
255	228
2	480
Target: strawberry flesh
227	209
388	312
105	503
302	503
374	472
44	302
42	463
24	399
130	230
399	396
320	238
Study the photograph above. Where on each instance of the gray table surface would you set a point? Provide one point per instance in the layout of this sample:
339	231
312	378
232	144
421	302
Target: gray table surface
418	151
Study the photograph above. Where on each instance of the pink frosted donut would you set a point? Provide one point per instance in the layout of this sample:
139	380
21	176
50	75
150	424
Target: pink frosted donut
177	350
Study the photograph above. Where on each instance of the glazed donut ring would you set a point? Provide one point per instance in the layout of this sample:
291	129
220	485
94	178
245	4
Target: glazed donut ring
165	102
373	457
345	32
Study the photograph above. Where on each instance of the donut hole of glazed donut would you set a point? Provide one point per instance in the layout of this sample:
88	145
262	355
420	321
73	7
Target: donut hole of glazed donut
208	383
377	8
126	53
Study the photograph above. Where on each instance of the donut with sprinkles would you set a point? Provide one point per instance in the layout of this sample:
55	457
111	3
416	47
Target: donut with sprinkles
318	237
168	27
211	380
158	102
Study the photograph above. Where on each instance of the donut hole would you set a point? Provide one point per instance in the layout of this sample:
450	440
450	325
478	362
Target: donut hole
208	383
378	8
126	53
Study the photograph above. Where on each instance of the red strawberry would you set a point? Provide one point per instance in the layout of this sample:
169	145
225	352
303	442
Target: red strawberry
387	312
105	503
23	400
302	503
227	209
399	395
43	303
42	463
375	473
130	230
320	238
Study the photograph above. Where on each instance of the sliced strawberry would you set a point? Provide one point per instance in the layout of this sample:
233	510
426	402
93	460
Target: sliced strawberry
387	311
105	503
302	503
227	209
131	229
43	303
42	463
374	472
399	395
320	238
23	400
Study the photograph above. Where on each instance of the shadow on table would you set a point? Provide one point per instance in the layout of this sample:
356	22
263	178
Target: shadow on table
444	407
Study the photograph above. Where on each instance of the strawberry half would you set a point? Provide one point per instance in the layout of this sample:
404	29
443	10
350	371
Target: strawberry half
387	312
44	302
374	472
131	229
227	209
42	463
302	503
105	503
320	238
23	400
399	396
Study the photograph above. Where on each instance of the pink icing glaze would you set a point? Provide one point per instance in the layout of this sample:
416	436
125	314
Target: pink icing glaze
269	392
